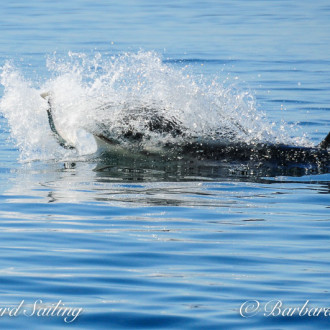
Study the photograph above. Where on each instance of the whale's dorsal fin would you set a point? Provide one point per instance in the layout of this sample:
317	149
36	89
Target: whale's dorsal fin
62	142
325	144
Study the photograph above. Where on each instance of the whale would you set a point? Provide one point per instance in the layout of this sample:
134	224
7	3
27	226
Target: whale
196	148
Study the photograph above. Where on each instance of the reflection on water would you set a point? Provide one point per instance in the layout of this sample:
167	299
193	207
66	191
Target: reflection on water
173	252
119	183
165	169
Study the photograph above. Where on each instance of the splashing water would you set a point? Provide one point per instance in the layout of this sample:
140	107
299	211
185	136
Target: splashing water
91	95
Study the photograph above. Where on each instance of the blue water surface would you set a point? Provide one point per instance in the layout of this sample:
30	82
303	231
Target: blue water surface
145	249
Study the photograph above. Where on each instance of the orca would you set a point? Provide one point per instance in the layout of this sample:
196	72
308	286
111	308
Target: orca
196	148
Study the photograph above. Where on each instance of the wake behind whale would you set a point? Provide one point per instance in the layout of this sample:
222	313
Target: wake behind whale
135	106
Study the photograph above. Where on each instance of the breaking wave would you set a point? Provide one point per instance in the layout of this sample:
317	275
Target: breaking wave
96	94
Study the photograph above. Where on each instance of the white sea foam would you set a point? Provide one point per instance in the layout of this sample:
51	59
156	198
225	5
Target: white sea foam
90	94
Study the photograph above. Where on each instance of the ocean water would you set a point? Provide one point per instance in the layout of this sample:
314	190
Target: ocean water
133	242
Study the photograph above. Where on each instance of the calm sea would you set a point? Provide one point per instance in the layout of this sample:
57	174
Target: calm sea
137	246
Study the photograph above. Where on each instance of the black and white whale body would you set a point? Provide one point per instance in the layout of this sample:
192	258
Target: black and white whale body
187	147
